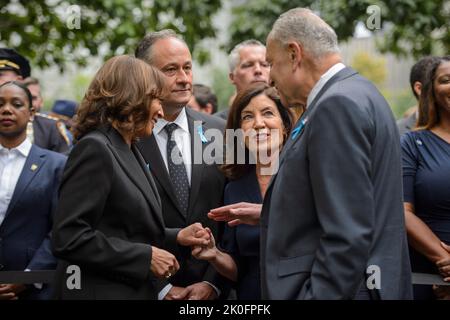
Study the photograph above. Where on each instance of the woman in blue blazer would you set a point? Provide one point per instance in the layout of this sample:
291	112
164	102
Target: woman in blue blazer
264	124
29	181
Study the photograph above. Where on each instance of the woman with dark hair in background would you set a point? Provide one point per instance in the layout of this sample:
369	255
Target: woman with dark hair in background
426	180
109	220
264	124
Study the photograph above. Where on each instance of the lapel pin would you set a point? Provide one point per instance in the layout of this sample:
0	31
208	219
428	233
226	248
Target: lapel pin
201	134
299	128
34	167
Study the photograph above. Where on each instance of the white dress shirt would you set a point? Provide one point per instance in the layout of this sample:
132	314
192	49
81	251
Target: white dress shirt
11	166
322	81
182	139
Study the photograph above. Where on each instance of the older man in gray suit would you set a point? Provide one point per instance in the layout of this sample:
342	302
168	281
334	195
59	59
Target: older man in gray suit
332	224
332	220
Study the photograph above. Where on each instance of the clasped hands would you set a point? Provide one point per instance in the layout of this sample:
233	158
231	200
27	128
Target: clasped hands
443	265
164	264
234	214
191	236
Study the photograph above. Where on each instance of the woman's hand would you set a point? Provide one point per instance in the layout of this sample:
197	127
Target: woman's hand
444	264
11	291
207	252
163	264
188	236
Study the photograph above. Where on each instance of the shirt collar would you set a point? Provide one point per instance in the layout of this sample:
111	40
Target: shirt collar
23	148
181	121
322	81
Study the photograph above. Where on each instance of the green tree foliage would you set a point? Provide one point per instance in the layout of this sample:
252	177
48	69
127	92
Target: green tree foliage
222	87
45	30
371	67
417	27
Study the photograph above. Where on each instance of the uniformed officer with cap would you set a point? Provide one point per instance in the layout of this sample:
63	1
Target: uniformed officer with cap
12	66
44	131
65	111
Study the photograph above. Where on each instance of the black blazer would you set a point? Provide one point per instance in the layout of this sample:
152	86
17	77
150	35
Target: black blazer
242	241
207	187
108	216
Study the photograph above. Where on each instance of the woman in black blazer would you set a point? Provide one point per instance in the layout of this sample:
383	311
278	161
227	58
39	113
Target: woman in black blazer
108	221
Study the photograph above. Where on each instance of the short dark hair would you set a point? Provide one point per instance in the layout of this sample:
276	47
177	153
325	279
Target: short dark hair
204	95
24	88
113	97
428	109
234	170
419	71
143	49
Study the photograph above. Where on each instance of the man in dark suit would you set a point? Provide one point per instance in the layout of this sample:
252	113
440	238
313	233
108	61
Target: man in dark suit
332	219
49	133
247	64
188	189
29	178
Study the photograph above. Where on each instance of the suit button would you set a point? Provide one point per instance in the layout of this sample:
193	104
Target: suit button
1	266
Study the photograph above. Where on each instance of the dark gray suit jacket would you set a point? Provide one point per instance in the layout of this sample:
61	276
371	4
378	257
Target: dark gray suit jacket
207	187
407	124
335	207
48	136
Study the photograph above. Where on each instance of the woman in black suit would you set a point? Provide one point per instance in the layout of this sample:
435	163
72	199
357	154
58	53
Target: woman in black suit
109	221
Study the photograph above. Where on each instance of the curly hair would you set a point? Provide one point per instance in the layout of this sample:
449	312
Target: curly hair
121	92
428	108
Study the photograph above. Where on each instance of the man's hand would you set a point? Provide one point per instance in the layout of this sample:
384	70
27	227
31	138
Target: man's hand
208	252
163	264
11	291
197	291
444	264
190	236
173	292
238	213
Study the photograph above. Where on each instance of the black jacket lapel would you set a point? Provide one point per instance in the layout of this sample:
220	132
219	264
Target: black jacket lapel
147	172
197	147
150	151
135	172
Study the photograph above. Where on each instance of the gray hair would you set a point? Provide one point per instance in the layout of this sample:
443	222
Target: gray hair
305	27
234	58
143	50
30	81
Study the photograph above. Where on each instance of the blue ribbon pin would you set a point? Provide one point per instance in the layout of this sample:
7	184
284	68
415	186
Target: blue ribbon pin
201	134
299	128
